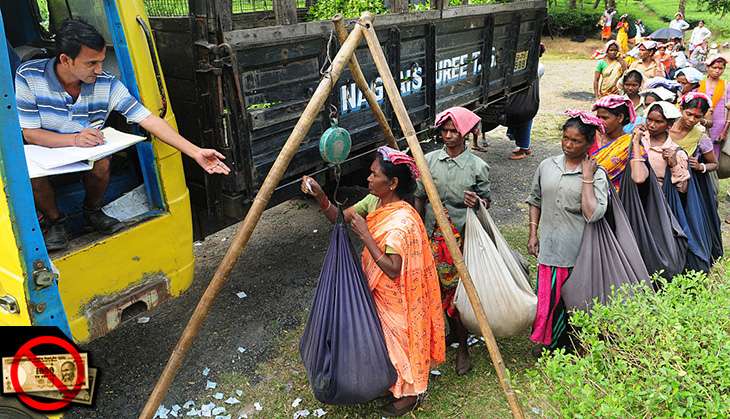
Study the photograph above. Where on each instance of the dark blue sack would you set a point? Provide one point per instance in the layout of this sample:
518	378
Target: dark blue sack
691	215
662	243
709	200
343	348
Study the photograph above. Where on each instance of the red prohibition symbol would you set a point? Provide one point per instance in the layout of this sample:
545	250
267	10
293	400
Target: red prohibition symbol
25	351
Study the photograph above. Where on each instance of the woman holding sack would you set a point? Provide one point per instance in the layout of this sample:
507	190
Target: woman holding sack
401	274
462	180
662	152
689	134
567	193
614	150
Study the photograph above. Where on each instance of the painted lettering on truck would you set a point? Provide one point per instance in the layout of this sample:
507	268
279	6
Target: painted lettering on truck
448	70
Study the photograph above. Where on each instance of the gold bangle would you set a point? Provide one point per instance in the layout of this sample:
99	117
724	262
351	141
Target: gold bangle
638	159
588	181
534	223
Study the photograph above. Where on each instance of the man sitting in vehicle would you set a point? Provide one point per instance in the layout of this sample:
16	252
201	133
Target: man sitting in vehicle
62	102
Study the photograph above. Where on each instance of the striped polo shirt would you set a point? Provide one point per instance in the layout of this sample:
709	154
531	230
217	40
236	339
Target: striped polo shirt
43	103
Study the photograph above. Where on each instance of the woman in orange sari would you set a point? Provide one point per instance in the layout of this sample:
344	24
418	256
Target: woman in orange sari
401	273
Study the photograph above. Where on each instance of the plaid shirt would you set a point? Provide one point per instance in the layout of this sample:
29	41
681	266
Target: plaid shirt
43	103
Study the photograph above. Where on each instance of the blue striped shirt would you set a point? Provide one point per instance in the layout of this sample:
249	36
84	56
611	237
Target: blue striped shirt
43	103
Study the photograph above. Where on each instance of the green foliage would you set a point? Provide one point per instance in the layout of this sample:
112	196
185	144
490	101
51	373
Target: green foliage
573	21
325	9
716	6
663	354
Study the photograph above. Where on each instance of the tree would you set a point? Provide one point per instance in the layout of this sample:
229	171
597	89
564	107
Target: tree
681	7
720	7
572	4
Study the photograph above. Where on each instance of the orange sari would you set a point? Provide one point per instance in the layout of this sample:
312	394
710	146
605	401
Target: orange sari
409	307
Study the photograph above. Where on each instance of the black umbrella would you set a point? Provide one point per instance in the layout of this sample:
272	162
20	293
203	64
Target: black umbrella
666	33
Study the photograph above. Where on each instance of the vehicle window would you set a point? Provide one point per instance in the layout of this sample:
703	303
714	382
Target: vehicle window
43	10
91	11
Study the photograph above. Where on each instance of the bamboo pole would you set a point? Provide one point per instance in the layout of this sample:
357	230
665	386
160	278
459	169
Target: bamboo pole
363	85
406	125
243	234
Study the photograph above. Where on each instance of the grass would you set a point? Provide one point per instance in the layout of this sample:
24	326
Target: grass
693	13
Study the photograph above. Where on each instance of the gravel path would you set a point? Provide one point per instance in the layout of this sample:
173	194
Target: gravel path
278	272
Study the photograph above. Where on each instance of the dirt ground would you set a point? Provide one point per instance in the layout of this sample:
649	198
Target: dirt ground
278	272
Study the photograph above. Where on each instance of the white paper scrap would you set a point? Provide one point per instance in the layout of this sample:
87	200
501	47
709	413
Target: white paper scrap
455	345
239	393
206	371
192	412
232	400
218	396
296	402
162	412
176	407
211	384
132	204
188	404
173	413
435	372
241	349
143	320
219	410
319	413
258	406
301	414
223	417
315	230
241	295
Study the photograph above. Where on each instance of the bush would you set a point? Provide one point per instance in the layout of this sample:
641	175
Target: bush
574	22
663	354
325	9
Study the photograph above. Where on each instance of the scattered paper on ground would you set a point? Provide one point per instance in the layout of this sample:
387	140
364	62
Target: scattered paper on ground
241	294
211	384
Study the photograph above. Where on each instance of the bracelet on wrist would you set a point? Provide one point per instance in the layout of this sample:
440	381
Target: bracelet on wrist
704	167
325	208
588	181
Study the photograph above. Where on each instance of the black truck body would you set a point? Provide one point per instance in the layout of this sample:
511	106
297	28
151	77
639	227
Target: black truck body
240	88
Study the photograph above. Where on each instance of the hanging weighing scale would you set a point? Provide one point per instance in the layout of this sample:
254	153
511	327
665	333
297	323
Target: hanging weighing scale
335	143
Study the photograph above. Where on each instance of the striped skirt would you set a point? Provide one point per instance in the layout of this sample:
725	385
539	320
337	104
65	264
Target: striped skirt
551	318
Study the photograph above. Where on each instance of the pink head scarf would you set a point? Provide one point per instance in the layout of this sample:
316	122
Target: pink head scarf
691	96
613	102
587	118
398	157
464	119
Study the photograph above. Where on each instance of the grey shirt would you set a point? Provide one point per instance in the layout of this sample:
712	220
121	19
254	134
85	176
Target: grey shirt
557	192
465	172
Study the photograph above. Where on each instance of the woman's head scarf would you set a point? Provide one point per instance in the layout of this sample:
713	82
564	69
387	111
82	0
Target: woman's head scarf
690	96
397	158
692	74
661	92
587	118
464	119
613	102
669	110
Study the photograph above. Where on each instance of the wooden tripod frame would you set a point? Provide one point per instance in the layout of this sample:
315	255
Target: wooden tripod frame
345	56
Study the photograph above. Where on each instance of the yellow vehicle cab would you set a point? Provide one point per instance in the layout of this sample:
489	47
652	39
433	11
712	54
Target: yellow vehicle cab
100	281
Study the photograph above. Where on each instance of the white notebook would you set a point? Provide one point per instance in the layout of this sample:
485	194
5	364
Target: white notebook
46	161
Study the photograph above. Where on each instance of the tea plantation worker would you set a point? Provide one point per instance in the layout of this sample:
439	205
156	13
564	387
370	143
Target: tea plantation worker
401	273
679	23
462	180
62	101
631	84
718	90
567	193
647	63
689	134
661	150
608	71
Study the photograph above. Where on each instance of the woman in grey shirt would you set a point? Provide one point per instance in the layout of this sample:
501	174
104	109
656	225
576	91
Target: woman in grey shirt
567	193
462	181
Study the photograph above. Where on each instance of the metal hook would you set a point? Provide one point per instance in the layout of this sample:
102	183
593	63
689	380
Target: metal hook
338	177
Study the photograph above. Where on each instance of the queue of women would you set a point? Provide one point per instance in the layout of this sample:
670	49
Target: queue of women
643	131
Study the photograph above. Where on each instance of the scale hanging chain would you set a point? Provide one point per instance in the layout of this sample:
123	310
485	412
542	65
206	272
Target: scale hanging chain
338	177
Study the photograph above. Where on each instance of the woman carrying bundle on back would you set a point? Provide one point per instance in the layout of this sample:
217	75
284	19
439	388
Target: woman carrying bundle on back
615	149
719	93
462	180
567	192
400	270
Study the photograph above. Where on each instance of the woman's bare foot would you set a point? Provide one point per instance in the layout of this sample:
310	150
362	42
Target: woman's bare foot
400	407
